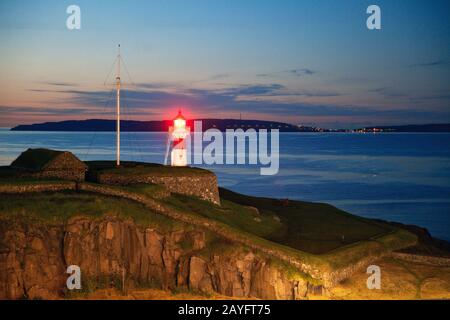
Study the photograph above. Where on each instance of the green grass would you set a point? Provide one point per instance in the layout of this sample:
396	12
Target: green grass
219	246
291	272
232	214
61	206
307	231
148	189
180	204
140	168
396	239
305	226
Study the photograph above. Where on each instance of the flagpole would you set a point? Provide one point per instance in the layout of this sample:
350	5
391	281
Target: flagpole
118	108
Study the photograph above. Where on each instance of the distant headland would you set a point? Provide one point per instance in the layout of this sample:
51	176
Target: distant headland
157	126
106	125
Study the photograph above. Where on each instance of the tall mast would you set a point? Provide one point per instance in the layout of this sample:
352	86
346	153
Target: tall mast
118	107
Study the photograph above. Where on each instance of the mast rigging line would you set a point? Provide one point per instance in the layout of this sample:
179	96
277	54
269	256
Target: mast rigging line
110	71
134	143
120	99
105	105
126	70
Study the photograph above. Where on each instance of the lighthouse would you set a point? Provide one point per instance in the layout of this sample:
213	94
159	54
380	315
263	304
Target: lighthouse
177	140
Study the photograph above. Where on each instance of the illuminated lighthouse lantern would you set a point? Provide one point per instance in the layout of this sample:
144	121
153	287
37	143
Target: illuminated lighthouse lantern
178	134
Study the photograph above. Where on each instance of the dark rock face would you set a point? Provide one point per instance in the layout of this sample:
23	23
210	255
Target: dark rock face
31	265
34	258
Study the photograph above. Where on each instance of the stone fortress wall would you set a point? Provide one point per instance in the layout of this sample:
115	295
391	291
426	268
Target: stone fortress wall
203	186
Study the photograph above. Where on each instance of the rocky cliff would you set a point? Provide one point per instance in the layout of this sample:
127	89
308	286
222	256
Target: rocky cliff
116	252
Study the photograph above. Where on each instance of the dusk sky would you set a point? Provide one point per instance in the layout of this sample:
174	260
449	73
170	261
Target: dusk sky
303	62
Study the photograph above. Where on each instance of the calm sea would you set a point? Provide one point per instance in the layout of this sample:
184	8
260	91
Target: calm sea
398	177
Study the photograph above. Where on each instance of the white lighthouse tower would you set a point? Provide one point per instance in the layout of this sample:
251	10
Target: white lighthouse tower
177	136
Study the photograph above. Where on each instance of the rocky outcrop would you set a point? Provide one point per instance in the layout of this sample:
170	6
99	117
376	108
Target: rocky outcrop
34	257
244	275
31	264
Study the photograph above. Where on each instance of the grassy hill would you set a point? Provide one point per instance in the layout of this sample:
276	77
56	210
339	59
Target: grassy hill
326	238
314	228
320	235
311	227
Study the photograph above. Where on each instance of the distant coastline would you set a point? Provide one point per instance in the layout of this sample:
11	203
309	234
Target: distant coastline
158	126
105	125
436	127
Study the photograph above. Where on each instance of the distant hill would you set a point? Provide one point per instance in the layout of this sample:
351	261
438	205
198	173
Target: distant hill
157	126
221	124
437	127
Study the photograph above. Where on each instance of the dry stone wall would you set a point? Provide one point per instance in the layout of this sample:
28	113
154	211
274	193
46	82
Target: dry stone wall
435	261
203	186
45	187
62	174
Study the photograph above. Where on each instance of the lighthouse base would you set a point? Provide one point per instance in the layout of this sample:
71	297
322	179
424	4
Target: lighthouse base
178	158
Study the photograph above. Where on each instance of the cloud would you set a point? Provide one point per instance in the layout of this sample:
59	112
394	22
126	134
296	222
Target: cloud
258	89
432	97
301	72
317	94
154	85
214	77
61	84
264	90
219	76
35	111
147	99
434	63
298	72
211	101
387	92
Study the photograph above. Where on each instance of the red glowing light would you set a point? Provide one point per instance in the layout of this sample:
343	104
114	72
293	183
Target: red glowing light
179	131
179	122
